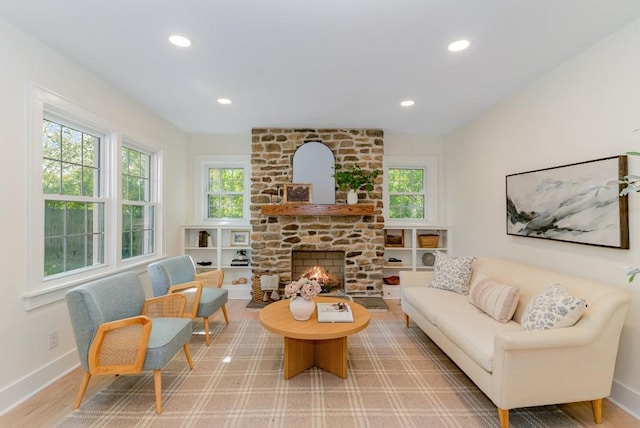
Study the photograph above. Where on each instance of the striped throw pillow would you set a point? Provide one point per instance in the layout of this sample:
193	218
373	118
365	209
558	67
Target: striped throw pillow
496	299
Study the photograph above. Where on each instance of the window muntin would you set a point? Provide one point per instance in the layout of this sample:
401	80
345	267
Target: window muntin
71	161
74	228
411	190
138	211
225	193
406	187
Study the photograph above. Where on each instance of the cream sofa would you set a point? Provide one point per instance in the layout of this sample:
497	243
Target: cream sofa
517	368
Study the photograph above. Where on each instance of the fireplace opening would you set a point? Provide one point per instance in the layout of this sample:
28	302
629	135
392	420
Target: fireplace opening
326	267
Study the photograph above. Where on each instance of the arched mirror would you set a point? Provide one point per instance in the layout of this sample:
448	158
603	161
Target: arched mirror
313	163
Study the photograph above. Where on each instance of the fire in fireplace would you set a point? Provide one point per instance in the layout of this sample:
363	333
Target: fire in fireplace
326	267
327	280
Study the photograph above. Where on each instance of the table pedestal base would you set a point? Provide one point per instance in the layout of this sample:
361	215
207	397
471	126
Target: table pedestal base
329	355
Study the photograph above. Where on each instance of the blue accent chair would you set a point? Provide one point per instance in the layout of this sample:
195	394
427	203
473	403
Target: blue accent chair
117	331
205	295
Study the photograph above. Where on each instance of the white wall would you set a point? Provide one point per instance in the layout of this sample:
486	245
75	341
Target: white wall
406	145
211	145
585	109
27	363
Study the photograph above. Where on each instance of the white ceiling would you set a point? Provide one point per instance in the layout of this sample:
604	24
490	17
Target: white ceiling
319	63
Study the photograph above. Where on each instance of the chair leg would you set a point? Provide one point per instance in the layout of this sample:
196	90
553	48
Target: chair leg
157	382
596	405
207	339
83	388
224	312
187	352
503	414
406	320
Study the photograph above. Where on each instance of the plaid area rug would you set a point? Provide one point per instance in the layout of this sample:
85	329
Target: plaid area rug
397	378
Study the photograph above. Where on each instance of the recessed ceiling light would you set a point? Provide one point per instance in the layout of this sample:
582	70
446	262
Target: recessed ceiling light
459	45
224	100
180	41
407	103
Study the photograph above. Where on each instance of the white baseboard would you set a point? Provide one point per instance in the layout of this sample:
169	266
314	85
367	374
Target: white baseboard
625	398
22	389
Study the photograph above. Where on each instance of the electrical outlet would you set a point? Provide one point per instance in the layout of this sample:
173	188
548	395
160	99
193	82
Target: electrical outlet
53	339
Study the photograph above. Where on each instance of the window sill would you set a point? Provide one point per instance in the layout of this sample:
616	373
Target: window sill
48	295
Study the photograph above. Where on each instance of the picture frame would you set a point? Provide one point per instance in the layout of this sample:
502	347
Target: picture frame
572	203
297	193
394	238
239	238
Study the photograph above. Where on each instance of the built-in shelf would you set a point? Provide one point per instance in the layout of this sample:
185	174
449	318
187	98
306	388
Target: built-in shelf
311	209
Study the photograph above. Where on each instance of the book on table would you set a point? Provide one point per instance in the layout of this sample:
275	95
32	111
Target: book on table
334	312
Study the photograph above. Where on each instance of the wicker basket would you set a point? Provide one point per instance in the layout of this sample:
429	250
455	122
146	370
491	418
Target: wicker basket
256	292
428	241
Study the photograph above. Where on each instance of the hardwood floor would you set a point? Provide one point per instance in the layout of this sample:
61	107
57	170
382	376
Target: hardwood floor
51	405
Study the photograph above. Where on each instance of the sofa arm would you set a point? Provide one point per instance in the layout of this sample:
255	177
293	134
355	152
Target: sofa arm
167	306
543	339
120	346
213	278
532	368
192	291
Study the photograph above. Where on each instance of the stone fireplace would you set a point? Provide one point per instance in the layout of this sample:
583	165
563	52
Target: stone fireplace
275	237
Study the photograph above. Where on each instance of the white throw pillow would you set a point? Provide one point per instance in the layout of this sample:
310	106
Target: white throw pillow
452	273
553	308
496	299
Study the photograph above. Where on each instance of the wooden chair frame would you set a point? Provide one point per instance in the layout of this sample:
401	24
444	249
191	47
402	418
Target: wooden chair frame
213	278
131	334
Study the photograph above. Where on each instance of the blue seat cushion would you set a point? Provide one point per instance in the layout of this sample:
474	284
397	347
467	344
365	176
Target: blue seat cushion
168	335
211	300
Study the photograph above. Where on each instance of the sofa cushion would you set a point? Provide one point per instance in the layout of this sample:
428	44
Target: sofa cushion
474	333
431	302
452	273
212	299
168	335
553	308
498	300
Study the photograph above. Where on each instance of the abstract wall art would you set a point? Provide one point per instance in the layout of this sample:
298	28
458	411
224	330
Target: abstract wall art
571	203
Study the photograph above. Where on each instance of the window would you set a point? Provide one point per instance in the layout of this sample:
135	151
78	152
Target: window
411	190
223	183
73	206
137	208
93	207
406	193
225	193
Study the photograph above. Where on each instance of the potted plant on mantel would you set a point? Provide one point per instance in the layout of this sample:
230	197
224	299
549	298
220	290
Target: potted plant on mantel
353	179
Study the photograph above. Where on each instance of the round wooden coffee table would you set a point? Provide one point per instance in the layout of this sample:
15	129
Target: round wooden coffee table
310	343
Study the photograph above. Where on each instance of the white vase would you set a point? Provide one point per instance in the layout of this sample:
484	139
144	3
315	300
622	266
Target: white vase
352	197
301	308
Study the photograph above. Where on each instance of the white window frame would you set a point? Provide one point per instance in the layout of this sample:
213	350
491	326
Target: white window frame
430	166
38	290
154	196
202	164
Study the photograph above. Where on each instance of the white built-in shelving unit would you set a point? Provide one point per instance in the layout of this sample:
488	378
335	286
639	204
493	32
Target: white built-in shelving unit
220	251
413	256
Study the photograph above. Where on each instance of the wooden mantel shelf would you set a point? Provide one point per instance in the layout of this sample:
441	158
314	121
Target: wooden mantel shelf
311	209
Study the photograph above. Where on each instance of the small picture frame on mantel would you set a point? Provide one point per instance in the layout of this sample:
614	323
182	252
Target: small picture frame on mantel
297	193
